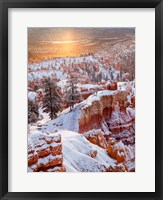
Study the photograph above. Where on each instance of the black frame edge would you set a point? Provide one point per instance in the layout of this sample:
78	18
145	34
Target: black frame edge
3	102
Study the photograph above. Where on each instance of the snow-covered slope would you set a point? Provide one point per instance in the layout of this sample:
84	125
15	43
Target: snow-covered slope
77	154
68	120
81	155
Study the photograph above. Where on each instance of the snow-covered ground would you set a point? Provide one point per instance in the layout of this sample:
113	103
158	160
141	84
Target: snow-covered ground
66	120
79	154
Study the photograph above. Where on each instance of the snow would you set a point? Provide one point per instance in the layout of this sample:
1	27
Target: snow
96	97
68	120
77	152
93	132
53	169
47	159
81	162
79	155
32	96
38	139
126	86
105	128
65	121
62	84
79	148
130	112
88	86
69	167
55	67
129	150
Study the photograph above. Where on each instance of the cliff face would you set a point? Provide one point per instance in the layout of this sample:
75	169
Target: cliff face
98	135
86	92
91	116
114	119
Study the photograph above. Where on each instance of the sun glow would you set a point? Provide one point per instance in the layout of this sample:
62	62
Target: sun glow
68	35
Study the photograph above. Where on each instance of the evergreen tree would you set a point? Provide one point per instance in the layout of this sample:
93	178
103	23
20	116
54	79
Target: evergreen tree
111	75
51	99
72	92
32	111
121	74
118	77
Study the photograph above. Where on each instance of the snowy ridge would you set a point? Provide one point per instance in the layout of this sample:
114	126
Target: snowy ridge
78	153
81	155
67	120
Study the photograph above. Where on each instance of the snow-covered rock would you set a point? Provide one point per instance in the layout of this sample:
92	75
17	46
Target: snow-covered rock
32	96
65	151
96	136
101	116
44	152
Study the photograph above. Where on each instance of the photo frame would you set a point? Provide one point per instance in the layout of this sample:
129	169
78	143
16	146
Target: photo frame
5	90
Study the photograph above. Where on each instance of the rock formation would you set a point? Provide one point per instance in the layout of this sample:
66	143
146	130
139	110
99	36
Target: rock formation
97	137
109	122
45	153
91	116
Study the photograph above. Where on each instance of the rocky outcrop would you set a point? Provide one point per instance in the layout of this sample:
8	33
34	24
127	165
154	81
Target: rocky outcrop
97	137
86	92
92	115
117	168
109	112
121	124
116	151
122	153
109	122
133	101
45	153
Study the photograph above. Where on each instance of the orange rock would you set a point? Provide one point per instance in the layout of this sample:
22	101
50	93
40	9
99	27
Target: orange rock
96	137
92	115
133	101
120	156
32	159
57	150
54	169
113	86
50	161
93	154
44	151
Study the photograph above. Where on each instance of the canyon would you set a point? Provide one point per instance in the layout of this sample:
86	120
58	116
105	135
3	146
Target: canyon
104	121
81	100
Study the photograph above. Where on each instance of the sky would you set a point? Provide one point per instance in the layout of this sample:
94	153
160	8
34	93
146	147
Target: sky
61	42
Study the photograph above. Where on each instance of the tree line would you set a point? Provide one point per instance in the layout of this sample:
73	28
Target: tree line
53	101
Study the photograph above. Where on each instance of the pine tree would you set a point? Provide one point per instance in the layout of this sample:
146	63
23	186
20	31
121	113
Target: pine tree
32	111
118	77
51	99
72	91
121	74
